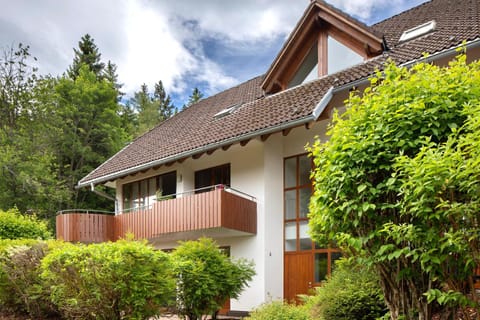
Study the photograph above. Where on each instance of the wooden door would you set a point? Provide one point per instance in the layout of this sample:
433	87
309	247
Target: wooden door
298	274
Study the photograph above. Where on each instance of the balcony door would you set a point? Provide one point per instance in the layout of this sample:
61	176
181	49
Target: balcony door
212	176
305	263
143	193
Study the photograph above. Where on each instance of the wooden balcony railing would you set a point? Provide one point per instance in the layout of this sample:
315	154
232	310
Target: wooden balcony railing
214	209
85	226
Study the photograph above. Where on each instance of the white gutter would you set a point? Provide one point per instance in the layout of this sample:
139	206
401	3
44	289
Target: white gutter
323	103
205	148
445	53
312	117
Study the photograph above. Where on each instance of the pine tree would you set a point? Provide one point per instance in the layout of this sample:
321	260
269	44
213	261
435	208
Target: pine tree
196	96
87	53
152	108
163	101
110	74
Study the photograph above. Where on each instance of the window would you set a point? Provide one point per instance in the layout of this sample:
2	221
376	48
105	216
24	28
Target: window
308	69
297	193
418	31
211	177
340	56
227	111
335	57
144	193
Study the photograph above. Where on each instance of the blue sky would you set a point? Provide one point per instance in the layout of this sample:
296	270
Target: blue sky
209	44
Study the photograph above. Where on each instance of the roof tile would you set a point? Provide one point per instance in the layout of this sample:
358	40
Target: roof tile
196	127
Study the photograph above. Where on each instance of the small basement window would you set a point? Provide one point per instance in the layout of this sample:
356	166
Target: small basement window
227	111
418	31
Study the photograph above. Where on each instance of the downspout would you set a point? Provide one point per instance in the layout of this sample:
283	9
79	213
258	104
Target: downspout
104	195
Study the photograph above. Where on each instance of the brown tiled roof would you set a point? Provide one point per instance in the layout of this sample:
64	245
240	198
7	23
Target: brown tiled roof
196	129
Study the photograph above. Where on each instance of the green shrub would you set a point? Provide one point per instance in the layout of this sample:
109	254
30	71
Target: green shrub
353	292
206	277
121	280
21	289
14	225
278	310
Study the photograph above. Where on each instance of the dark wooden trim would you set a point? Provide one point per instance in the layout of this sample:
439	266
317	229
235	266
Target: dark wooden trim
264	137
322	53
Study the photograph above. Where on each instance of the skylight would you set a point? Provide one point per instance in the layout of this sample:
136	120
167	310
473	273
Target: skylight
227	111
418	31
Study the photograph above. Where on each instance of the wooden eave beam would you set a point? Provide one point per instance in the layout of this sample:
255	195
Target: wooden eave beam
340	23
243	143
264	137
297	39
198	155
285	132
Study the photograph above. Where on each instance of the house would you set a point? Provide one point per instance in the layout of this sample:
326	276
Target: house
233	166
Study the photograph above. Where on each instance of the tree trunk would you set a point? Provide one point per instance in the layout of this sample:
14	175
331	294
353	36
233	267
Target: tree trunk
404	297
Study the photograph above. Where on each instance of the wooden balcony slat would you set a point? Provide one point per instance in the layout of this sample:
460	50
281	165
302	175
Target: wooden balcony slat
214	209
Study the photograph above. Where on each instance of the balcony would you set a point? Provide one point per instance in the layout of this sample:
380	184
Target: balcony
216	214
85	226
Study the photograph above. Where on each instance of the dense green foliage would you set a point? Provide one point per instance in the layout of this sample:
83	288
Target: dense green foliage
87	54
152	108
28	178
21	289
14	225
121	280
279	310
89	131
55	130
352	292
398	182
206	277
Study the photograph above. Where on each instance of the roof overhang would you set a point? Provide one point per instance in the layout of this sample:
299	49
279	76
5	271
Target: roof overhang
319	109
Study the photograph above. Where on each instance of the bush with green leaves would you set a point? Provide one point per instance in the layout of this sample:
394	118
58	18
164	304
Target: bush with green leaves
398	182
120	280
206	277
14	225
21	289
279	310
352	292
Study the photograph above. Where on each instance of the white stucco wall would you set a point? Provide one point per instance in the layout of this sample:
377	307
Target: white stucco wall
256	169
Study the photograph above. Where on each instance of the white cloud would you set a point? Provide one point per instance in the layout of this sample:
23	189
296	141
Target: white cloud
153	40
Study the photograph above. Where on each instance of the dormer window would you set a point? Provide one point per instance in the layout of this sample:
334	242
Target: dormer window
340	56
324	42
418	31
335	56
308	70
